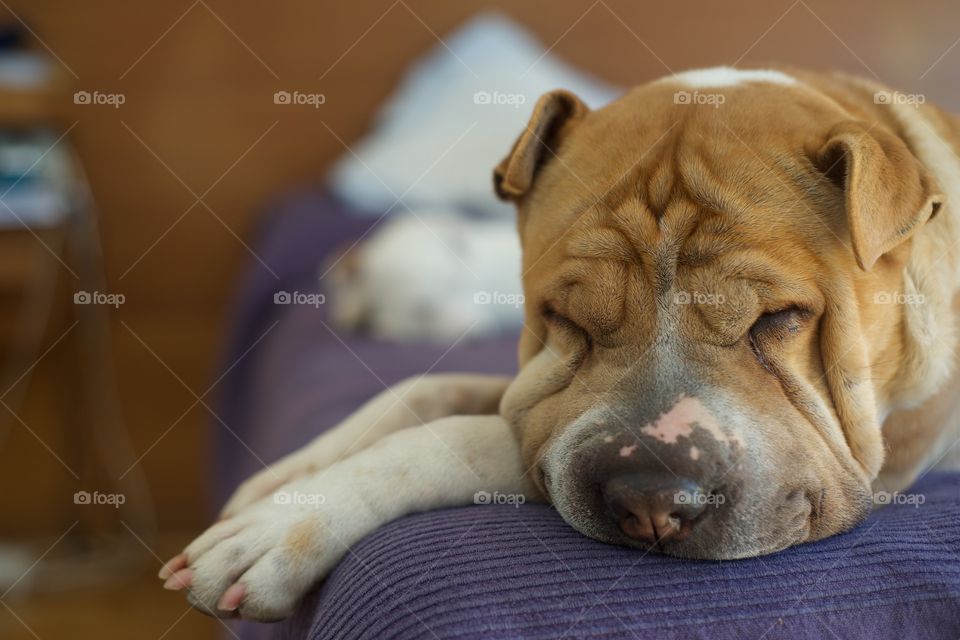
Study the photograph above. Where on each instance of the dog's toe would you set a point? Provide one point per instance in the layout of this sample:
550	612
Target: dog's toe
258	568
217	571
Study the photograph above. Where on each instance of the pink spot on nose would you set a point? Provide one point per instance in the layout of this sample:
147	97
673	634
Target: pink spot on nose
694	453
627	451
679	422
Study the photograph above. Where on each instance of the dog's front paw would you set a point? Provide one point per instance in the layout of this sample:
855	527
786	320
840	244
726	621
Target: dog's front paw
256	565
262	485
254	489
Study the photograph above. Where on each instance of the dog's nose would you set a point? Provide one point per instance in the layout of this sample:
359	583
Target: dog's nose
654	507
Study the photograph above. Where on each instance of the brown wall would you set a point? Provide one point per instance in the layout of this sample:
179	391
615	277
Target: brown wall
199	79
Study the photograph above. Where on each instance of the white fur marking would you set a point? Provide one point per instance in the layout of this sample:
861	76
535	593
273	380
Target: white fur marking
728	77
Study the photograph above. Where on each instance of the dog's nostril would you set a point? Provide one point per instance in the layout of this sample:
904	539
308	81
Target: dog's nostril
654	507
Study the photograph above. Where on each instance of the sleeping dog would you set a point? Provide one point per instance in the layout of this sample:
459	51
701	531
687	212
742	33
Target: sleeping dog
739	325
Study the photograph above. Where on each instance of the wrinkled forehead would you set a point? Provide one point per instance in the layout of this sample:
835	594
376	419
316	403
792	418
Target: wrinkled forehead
660	172
624	271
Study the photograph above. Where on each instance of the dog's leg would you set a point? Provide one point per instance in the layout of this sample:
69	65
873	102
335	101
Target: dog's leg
412	402
261	562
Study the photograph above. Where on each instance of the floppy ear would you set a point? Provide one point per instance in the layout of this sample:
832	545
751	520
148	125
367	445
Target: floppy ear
554	112
888	193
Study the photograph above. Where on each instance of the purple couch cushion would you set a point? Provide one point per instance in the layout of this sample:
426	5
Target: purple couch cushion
505	572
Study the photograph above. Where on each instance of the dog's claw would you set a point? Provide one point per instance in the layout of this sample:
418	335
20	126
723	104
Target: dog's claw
172	565
182	579
232	597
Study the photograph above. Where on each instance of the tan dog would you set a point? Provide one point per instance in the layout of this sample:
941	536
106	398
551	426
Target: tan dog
733	280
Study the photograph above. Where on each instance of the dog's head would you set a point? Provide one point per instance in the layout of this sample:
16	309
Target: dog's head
706	359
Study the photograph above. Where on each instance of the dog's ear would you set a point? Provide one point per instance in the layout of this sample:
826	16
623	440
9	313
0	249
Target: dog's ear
554	112
888	193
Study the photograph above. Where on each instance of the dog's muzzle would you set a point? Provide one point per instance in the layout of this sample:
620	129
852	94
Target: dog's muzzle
671	480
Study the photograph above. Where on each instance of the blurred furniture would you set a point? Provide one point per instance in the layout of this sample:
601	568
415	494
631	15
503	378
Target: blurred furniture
39	215
505	572
35	222
35	208
53	291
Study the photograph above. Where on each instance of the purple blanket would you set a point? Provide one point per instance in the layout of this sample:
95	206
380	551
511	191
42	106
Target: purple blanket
506	572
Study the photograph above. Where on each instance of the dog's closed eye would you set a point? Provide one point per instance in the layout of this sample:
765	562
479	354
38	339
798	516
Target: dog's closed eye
565	325
775	328
782	323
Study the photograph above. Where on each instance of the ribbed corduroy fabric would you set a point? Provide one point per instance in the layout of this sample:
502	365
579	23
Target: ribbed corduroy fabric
505	572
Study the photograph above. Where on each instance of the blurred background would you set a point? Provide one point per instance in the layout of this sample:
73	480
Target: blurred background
161	160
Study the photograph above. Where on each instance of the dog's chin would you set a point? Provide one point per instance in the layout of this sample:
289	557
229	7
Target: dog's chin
695	550
736	552
736	540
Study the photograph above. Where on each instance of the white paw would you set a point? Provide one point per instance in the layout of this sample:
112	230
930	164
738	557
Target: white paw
263	484
259	564
252	490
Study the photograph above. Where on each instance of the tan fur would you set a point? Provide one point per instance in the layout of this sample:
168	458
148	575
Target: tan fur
813	194
917	368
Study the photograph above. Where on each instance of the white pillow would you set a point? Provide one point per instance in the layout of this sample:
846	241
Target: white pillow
453	119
